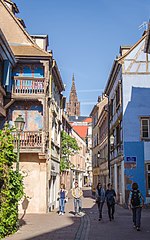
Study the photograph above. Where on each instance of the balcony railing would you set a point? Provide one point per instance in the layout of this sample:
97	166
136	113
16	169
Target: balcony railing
23	86
30	140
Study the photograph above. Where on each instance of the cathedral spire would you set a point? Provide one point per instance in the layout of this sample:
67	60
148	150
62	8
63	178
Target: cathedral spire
73	107
73	88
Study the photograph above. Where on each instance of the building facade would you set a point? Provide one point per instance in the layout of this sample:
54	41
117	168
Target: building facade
99	144
36	95
77	161
128	88
73	106
55	122
7	62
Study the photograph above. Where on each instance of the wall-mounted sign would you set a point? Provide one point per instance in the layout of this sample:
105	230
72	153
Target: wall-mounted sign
131	159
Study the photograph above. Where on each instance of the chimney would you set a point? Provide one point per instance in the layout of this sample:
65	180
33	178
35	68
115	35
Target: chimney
124	49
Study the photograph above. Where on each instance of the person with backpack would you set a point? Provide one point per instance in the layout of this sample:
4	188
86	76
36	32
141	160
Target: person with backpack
100	199
135	203
110	199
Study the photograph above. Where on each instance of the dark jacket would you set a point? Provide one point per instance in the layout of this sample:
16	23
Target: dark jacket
110	196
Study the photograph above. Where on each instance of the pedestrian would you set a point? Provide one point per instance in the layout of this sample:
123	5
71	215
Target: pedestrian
136	202
77	193
110	199
62	198
100	199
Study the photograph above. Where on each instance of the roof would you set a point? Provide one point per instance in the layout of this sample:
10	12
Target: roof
4	45
58	78
131	48
13	4
78	118
22	50
118	61
28	50
81	130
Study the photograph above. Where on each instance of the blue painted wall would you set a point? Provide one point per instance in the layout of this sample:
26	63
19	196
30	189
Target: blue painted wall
137	106
136	103
137	172
26	71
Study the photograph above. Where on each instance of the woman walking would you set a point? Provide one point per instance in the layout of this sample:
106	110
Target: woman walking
110	198
100	199
62	196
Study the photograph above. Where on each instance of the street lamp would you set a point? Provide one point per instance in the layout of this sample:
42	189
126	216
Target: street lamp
19	124
98	154
112	139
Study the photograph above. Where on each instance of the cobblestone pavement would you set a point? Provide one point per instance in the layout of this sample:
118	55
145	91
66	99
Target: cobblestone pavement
51	226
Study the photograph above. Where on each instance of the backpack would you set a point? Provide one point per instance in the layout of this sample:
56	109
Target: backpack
135	198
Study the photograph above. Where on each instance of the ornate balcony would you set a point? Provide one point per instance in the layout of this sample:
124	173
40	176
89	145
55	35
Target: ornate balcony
30	141
30	88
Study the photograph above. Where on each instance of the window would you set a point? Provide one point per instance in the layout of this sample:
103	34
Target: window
1	71
118	137
111	108
145	123
118	96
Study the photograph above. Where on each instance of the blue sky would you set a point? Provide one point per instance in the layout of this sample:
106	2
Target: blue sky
85	37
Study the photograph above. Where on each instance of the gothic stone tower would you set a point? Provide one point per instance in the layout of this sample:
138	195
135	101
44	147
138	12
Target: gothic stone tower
73	106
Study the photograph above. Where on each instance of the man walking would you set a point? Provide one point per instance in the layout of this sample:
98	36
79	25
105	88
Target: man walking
77	193
110	198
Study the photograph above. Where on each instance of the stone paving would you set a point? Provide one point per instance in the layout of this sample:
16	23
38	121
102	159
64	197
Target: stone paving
51	226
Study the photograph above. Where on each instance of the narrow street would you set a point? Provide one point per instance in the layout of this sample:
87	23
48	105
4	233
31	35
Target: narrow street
87	227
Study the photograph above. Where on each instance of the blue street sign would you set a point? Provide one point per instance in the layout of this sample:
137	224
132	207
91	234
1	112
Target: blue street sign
131	159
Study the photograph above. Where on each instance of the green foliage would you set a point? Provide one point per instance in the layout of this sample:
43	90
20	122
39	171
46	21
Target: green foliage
69	147
11	184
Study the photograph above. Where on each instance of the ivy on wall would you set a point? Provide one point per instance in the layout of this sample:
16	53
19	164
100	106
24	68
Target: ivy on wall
11	184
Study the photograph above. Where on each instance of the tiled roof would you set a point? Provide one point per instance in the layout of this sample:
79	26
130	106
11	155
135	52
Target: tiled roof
88	120
77	118
81	130
29	50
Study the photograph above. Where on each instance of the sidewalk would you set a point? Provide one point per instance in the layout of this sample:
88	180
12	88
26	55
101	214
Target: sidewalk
51	226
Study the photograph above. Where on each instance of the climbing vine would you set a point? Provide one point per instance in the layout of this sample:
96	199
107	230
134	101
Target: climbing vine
69	147
11	184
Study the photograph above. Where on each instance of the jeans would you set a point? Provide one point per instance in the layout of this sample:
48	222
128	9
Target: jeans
77	205
100	207
137	216
111	210
61	205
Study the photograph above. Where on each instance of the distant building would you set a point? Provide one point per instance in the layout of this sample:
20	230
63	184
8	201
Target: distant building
78	161
73	106
83	126
99	116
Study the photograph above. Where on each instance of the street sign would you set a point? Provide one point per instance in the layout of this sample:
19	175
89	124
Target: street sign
131	159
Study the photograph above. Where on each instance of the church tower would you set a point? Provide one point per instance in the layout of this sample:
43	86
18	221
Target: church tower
73	106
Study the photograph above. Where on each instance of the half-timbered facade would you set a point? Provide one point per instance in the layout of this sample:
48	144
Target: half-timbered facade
128	88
